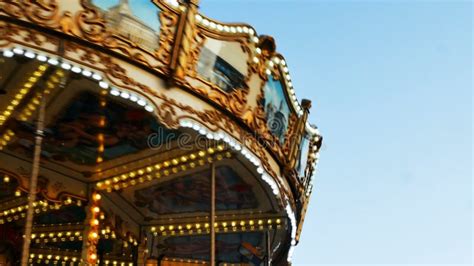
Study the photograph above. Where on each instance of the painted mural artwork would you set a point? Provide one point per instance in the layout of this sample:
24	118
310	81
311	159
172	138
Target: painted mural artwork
303	153
74	136
192	194
228	246
276	108
136	20
218	71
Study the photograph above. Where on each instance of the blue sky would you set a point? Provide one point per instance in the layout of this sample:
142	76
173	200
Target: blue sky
391	85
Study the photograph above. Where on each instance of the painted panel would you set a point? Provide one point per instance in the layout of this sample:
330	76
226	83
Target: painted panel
276	108
73	136
231	247
218	68
303	156
192	194
136	20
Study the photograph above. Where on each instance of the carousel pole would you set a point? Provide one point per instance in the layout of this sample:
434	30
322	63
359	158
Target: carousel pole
269	247
213	214
33	183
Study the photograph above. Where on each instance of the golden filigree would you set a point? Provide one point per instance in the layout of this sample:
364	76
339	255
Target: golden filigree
168	22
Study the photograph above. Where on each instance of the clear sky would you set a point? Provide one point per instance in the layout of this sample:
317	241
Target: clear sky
391	85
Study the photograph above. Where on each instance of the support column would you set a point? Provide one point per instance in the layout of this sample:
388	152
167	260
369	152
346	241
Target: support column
91	231
213	214
268	248
33	183
185	32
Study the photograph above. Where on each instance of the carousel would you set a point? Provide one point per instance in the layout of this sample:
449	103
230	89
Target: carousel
142	132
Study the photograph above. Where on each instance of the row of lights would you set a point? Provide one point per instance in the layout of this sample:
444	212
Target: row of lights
93	237
314	153
225	226
174	260
164	168
80	70
27	86
51	84
19	212
232	30
224	28
107	233
72	260
57	236
291	216
234	144
47	258
33	104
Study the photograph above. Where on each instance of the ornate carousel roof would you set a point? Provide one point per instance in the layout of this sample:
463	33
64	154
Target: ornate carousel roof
145	133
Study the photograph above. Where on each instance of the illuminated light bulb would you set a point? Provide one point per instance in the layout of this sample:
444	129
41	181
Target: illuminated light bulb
115	92
18	51
103	85
86	73
95	222
93	235
6	179
93	256
8	53
30	55
198	18
96	209
96	76
76	69
125	95
141	102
